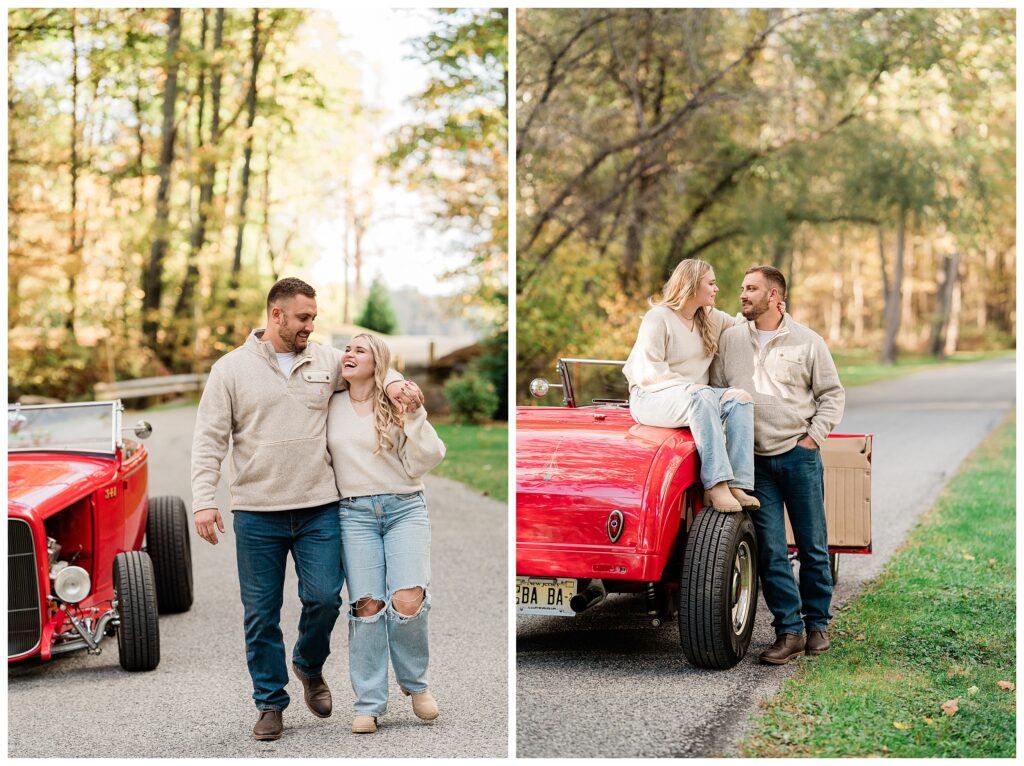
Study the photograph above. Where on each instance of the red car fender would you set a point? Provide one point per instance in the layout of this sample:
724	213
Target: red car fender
675	469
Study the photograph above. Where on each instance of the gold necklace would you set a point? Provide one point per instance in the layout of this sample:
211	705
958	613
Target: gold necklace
372	393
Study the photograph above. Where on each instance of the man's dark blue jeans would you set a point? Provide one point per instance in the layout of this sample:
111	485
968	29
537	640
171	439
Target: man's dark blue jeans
795	478
263	540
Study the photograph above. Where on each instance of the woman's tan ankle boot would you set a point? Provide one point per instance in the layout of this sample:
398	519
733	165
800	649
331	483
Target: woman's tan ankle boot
720	498
749	502
423	704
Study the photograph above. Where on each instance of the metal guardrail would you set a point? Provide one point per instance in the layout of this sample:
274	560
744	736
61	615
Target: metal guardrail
165	384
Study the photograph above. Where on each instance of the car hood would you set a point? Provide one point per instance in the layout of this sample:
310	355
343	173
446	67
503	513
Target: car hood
47	483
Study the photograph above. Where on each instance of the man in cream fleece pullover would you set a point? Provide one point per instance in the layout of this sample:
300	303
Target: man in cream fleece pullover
269	397
798	400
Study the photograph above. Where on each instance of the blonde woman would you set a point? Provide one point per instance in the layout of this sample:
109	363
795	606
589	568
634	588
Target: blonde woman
667	372
380	454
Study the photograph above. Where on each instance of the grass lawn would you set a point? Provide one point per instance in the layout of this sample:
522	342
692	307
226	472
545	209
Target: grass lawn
938	625
477	456
861	366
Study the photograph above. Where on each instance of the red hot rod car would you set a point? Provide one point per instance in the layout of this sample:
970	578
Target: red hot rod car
604	504
77	513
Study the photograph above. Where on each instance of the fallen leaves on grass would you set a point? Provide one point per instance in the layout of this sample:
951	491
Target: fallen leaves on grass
861	637
1007	686
929	721
973	690
969	557
950	707
900	725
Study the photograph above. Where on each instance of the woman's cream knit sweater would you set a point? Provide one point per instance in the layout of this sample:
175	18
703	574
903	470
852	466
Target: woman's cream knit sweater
352	438
667	353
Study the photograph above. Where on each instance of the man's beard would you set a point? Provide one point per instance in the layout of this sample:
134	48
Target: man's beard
291	340
754	310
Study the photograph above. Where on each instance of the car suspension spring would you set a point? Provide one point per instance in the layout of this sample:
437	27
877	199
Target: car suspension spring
652	605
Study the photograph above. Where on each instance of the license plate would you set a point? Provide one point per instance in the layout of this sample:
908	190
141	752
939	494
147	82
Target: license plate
542	595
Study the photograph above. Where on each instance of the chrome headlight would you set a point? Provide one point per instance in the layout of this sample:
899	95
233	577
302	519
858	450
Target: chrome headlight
71	584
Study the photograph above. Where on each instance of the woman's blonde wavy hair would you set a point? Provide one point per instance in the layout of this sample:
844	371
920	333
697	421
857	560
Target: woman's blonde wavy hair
385	412
680	286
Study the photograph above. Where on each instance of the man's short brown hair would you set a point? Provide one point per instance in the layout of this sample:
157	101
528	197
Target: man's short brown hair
288	287
772	276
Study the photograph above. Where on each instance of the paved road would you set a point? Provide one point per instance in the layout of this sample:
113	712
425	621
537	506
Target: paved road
197	703
606	683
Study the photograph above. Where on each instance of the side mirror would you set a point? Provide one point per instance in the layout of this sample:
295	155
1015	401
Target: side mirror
15	421
143	429
539	387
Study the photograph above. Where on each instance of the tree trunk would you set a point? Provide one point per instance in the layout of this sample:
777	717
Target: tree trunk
72	267
236	264
358	223
835	325
943	309
632	254
268	242
207	165
357	253
140	142
857	289
276	264
1006	312
346	306
907	323
986	295
893	299
152	279
953	331
13	273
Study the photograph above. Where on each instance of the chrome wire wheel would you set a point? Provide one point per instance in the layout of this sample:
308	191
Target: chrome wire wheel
741	590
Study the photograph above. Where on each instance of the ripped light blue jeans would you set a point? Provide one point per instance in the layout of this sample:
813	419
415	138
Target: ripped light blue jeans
385	542
723	431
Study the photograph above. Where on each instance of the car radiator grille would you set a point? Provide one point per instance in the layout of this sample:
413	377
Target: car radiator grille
23	623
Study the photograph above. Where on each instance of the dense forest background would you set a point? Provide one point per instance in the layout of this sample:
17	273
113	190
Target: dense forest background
165	166
868	154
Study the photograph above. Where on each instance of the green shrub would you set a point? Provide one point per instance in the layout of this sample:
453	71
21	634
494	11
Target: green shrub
65	371
471	398
492	365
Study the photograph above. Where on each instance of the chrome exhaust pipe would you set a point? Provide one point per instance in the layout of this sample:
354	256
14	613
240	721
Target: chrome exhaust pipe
593	595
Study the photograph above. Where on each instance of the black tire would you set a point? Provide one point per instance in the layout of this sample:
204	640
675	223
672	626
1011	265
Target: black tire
718	594
138	635
170	547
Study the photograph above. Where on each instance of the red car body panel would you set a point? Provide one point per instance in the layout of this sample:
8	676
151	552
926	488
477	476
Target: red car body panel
106	500
574	467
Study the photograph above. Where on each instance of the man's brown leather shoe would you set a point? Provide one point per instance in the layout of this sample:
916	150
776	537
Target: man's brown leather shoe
818	641
269	726
318	696
786	647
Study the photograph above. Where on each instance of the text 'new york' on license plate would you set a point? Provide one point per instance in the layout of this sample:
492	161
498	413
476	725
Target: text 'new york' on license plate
542	595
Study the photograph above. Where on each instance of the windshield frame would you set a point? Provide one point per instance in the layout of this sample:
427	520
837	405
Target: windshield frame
115	442
569	392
